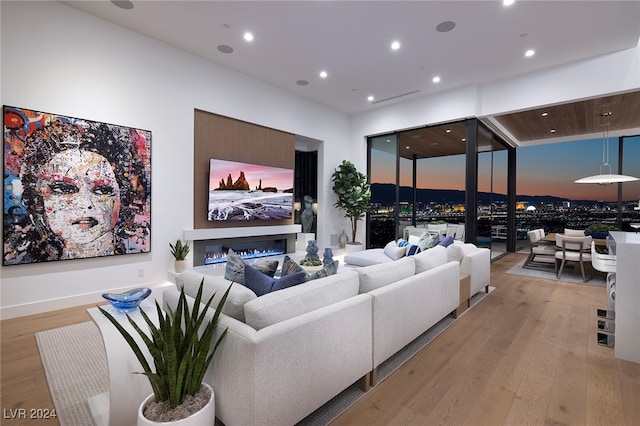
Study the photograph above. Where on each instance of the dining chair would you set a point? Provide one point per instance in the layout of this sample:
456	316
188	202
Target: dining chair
573	249
538	247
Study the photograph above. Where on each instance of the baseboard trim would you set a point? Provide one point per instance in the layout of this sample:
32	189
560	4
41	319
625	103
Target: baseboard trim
15	311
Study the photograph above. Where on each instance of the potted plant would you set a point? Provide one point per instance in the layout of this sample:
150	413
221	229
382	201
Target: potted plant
600	230
354	194
180	346
179	252
311	264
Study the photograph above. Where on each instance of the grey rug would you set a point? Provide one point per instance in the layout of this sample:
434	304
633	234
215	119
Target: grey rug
570	273
75	365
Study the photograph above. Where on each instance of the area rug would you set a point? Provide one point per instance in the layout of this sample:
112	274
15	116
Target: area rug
76	369
569	274
75	365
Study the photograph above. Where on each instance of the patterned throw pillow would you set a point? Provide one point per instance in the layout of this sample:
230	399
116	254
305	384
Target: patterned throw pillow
428	240
413	249
291	267
234	269
402	242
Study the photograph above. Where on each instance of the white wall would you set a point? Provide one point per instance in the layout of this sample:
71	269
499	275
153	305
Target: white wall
60	60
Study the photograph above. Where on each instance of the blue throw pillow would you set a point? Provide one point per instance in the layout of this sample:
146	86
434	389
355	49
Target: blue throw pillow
413	249
256	281
326	270
446	241
234	269
402	242
289	281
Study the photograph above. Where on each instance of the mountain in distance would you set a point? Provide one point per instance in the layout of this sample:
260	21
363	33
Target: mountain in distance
385	193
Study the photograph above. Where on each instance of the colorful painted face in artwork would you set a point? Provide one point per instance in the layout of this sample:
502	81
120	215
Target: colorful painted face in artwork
73	188
81	198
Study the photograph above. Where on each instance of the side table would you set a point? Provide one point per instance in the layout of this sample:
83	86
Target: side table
465	295
119	406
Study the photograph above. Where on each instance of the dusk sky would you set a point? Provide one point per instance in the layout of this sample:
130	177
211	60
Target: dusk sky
549	169
271	176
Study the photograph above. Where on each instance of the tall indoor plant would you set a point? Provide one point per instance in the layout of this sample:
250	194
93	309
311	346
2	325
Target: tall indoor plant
353	192
180	346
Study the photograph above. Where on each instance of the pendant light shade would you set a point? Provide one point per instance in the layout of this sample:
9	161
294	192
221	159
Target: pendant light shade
606	179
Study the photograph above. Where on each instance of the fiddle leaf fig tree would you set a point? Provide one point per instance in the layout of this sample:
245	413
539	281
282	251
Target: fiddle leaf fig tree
353	192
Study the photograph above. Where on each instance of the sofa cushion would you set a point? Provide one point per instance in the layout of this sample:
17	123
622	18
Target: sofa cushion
376	276
459	250
238	295
430	258
394	251
234	269
281	305
367	257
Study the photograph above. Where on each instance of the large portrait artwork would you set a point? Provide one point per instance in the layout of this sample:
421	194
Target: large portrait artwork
73	188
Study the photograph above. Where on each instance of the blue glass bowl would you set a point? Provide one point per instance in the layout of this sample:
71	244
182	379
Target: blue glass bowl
129	299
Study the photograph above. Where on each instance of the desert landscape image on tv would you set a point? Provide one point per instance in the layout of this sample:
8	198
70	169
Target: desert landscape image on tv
244	191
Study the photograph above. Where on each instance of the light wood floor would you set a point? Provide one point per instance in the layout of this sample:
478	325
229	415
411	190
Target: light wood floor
526	354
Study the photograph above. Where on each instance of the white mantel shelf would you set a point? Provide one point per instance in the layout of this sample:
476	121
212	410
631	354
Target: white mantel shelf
245	231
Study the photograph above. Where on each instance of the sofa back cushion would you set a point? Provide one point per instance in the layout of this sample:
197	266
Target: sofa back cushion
281	305
238	295
459	250
376	276
428	259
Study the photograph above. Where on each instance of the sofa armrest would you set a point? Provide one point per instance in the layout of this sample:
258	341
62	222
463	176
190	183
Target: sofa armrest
478	266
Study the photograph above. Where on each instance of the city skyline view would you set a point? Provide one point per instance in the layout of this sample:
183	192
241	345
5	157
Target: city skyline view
541	170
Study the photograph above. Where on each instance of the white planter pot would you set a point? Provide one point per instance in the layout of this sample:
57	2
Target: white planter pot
180	266
311	269
206	416
351	247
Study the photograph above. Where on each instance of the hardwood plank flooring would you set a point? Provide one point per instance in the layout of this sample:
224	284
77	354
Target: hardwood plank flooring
527	354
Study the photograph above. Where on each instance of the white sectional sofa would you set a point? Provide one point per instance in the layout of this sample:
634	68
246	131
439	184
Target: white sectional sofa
288	352
474	261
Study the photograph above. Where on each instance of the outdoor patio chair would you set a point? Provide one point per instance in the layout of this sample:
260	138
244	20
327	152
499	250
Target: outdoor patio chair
573	249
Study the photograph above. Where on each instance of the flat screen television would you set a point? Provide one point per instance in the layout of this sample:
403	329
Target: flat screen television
244	191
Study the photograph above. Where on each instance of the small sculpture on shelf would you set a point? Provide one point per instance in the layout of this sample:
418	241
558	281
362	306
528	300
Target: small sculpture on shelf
327	258
312	250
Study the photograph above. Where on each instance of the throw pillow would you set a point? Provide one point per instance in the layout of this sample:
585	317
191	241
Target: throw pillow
330	269
289	266
428	240
402	242
393	251
262	284
234	269
289	281
256	281
413	249
446	241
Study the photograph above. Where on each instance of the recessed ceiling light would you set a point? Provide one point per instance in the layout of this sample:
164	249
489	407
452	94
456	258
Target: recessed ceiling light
529	53
553	130
123	4
463	139
508	2
436	79
408	147
445	26
248	36
370	98
323	74
544	114
395	45
448	130
225	49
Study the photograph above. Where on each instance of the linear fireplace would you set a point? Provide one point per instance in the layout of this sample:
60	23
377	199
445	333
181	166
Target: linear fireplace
214	251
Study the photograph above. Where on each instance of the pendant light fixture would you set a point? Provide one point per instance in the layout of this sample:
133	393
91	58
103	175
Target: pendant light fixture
606	179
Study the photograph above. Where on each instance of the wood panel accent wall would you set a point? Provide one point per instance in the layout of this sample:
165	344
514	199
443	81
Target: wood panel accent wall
225	138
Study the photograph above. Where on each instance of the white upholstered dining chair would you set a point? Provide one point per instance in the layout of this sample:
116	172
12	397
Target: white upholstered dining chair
573	249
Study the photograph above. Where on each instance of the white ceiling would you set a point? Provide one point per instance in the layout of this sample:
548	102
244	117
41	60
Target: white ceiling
295	40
